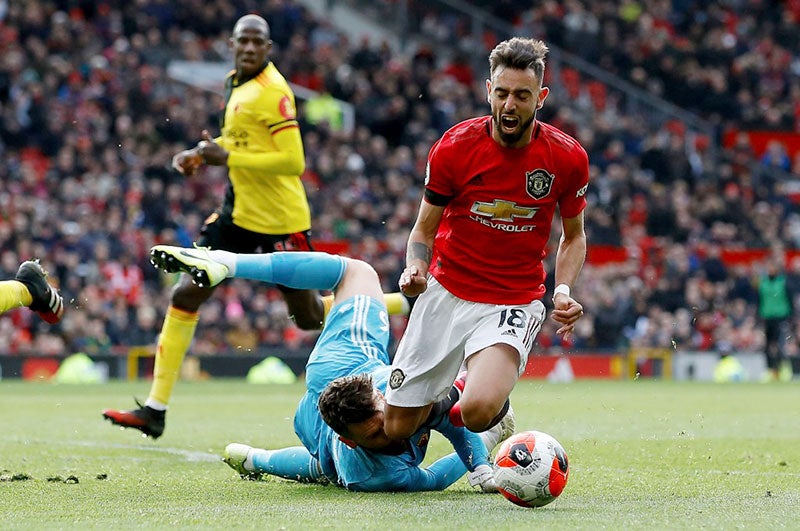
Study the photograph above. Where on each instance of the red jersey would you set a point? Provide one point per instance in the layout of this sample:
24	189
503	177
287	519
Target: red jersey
499	205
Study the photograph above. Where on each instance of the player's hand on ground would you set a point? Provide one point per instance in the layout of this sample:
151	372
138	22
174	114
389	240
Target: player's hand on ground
212	153
412	281
567	312
187	161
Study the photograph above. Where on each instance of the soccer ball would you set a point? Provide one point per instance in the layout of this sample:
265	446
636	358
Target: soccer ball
531	468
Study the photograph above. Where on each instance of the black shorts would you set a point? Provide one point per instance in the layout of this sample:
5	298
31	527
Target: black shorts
218	232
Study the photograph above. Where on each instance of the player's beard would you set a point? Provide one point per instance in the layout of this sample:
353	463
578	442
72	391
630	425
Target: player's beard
510	139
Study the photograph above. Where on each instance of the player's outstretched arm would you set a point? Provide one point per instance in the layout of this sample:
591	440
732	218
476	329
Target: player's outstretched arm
441	474
468	445
438	476
445	471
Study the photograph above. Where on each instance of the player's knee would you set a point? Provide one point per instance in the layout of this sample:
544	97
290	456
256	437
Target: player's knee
364	275
362	268
478	416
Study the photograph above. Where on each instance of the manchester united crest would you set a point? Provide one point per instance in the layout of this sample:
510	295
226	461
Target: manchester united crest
396	378
538	183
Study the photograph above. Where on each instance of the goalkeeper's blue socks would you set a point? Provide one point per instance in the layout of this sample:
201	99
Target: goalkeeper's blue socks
294	463
299	270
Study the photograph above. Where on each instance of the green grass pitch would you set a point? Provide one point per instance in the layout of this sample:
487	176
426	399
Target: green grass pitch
643	455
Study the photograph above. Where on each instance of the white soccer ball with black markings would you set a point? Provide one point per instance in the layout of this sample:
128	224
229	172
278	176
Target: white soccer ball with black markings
531	468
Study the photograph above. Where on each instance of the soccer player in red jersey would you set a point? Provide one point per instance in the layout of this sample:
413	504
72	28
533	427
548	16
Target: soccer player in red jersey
475	253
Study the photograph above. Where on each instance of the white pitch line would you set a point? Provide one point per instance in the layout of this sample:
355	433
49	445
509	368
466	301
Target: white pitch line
190	455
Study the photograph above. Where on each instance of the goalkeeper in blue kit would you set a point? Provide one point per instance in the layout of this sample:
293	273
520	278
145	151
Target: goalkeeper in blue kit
339	420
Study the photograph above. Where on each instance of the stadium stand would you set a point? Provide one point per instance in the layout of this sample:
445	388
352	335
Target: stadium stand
683	211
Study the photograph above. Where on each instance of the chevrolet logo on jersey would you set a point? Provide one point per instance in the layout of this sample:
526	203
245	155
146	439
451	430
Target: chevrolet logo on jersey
501	210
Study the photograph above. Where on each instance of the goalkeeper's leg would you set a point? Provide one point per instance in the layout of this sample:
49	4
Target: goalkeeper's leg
294	463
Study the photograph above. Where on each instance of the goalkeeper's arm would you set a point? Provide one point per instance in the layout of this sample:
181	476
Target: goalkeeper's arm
438	476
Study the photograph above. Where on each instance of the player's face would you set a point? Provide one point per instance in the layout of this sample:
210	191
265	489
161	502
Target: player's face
250	48
515	96
369	434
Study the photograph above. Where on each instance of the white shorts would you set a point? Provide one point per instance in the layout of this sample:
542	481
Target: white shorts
443	331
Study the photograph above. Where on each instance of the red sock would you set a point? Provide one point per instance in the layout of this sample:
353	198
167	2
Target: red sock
455	415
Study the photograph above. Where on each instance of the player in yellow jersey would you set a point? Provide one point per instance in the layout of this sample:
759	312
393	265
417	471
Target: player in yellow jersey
265	207
31	289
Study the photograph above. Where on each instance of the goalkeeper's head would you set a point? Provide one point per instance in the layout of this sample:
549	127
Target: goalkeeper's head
353	408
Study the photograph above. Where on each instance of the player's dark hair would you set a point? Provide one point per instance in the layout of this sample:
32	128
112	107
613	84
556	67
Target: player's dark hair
519	53
347	400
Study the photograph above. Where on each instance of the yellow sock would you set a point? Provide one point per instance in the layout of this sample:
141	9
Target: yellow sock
396	304
173	343
13	294
327	304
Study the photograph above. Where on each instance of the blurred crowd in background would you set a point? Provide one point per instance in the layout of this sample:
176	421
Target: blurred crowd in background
89	121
